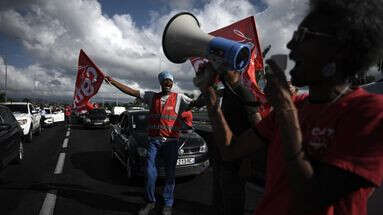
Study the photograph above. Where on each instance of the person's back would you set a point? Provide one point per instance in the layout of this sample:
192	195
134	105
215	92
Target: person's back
240	117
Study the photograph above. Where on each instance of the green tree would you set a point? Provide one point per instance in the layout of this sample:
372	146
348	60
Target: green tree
26	100
2	97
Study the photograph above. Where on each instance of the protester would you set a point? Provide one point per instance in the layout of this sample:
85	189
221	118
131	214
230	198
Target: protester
325	152
239	108
166	108
68	112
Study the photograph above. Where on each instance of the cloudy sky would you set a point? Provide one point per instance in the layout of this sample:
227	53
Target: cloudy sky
40	39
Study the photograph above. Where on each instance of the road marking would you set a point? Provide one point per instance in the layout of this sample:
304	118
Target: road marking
65	143
67	133
49	203
60	163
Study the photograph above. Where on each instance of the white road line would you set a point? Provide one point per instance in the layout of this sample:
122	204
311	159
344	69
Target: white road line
65	143
60	163
49	203
67	133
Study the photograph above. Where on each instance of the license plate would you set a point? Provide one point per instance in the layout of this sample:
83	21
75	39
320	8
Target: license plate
98	123
185	161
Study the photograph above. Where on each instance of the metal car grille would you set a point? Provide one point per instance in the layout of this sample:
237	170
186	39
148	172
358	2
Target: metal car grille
191	150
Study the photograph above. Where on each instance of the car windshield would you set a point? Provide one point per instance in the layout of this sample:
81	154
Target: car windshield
97	112
184	126
140	121
17	108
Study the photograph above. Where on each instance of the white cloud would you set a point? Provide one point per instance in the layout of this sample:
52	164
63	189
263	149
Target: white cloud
53	31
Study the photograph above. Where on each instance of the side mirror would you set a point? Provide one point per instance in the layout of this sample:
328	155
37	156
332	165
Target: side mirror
4	127
34	112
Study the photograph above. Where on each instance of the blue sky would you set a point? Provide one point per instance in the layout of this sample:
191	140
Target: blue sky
41	39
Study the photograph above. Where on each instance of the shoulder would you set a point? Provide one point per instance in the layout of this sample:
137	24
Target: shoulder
365	102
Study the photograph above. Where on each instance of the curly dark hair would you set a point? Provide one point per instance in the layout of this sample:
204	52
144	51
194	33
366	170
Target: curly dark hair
358	27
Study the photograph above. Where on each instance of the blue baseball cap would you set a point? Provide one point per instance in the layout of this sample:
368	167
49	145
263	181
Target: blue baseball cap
165	75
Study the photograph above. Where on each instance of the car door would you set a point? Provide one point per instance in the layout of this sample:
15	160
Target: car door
117	136
125	135
9	135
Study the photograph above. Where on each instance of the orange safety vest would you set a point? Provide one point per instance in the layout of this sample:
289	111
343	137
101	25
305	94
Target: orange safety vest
163	121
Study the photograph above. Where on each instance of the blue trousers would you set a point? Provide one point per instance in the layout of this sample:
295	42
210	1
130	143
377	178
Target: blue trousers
169	153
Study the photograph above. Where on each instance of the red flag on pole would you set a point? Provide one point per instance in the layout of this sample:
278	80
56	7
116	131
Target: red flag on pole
243	31
89	80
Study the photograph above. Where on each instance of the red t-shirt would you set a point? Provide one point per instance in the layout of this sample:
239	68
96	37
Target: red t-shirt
347	134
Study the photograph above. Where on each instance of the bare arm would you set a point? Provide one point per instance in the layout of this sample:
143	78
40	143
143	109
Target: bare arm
123	87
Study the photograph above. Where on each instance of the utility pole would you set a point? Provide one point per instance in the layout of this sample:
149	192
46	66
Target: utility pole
6	76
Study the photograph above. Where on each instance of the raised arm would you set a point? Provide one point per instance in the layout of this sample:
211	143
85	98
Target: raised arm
123	87
246	144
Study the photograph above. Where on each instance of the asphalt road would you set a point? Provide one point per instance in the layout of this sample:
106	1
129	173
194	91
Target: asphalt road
89	182
77	176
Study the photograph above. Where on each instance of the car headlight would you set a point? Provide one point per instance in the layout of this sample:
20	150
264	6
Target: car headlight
203	148
106	120
87	120
142	151
22	121
181	151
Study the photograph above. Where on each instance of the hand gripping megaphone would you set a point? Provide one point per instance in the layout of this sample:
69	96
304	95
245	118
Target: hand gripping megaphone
183	38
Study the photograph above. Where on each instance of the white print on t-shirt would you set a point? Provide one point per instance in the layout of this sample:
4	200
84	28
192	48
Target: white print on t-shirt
319	140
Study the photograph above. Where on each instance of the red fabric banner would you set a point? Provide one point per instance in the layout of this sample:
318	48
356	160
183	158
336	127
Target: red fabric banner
243	31
89	80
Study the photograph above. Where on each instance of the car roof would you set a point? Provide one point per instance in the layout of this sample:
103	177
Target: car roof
15	103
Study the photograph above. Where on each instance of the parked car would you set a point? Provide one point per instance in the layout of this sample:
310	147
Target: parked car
47	119
28	118
58	116
11	138
129	139
96	118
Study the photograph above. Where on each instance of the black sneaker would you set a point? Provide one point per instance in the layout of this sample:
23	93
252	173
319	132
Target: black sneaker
167	210
148	207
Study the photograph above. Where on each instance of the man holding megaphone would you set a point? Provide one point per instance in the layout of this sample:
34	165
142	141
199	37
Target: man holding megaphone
166	108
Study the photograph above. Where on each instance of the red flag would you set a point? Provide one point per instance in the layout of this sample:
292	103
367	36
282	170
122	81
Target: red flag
243	31
89	80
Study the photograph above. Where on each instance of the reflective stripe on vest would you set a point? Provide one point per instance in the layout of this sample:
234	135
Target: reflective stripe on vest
163	120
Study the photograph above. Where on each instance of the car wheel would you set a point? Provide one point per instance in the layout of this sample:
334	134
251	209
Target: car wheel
129	173
29	136
20	156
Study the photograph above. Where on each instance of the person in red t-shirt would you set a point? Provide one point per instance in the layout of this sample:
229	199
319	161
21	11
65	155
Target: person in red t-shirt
325	151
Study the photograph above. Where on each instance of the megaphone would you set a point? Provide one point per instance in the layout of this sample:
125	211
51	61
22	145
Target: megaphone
183	38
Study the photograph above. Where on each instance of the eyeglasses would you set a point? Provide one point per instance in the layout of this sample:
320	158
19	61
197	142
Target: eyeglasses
302	32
